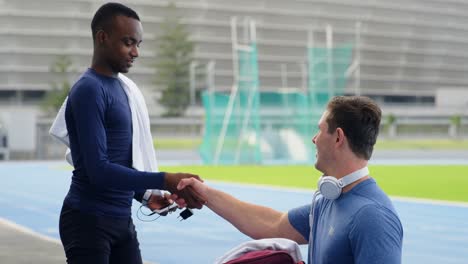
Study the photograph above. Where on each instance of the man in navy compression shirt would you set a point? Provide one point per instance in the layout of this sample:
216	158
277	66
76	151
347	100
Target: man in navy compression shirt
95	221
353	220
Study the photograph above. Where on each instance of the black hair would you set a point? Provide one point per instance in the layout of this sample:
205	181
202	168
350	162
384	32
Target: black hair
102	20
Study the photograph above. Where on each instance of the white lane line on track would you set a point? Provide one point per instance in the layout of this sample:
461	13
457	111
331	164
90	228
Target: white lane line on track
27	231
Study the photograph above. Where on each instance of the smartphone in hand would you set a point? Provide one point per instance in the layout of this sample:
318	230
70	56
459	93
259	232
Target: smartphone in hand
167	209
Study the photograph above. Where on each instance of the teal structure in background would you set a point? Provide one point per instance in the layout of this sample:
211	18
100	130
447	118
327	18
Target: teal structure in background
248	126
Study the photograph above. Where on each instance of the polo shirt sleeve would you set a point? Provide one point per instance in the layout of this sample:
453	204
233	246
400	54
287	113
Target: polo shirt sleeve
299	219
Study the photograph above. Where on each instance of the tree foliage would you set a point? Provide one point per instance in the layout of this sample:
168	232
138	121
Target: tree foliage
54	98
174	55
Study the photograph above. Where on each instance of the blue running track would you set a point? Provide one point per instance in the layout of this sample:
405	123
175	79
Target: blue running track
32	194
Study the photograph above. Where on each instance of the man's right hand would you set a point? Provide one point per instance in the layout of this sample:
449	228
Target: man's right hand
191	197
197	186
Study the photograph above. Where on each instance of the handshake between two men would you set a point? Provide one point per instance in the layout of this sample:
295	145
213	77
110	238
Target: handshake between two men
186	197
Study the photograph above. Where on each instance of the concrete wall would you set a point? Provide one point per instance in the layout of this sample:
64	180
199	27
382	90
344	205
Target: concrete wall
408	47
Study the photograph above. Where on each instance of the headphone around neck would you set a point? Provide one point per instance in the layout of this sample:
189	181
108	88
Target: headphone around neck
331	187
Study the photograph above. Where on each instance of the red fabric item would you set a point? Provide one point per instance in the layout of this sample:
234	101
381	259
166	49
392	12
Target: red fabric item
264	256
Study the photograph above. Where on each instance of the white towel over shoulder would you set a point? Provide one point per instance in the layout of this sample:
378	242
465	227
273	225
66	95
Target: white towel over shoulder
144	158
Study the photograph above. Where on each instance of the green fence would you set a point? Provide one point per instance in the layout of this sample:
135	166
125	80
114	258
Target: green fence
252	127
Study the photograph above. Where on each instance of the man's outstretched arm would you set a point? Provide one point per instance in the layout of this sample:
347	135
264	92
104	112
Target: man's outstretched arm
253	220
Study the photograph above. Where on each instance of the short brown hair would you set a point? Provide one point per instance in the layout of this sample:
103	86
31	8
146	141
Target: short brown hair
359	117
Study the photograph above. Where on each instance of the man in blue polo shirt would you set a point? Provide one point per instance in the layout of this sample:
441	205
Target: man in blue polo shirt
350	219
95	221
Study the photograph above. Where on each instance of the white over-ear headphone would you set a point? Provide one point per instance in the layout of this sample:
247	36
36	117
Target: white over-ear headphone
331	187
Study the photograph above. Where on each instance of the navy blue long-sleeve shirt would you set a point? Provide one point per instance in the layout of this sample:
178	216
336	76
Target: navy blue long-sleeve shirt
99	124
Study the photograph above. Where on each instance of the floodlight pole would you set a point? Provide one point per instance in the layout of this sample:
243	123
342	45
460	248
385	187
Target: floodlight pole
251	38
357	76
284	75
311	64
210	76
193	80
331	75
232	97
